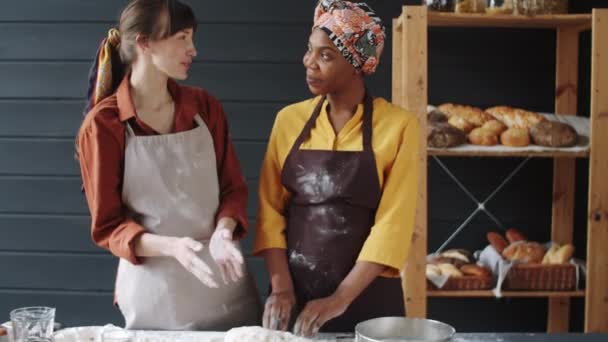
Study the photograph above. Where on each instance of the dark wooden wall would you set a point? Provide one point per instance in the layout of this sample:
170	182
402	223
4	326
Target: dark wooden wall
249	57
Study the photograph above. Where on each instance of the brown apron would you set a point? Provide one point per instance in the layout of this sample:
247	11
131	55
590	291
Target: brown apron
171	188
333	200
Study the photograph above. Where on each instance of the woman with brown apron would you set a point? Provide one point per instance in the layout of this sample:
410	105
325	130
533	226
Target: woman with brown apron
338	186
162	181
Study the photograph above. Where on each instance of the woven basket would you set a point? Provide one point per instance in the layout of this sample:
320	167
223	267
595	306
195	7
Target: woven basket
464	283
538	277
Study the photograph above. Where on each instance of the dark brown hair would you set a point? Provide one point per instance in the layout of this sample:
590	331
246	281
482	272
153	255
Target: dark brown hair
153	19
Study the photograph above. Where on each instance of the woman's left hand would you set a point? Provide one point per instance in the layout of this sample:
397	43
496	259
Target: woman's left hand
317	312
226	254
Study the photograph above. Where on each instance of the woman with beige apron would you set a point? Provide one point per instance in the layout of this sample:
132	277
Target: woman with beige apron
162	181
338	186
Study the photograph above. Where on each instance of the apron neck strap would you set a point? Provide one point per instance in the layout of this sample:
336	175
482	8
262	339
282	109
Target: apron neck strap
368	108
199	121
129	129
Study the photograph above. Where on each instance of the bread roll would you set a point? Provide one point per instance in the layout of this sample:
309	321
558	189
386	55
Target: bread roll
432	270
449	270
476	270
460	123
446	260
514	235
483	136
553	134
497	241
549	254
515	137
526	252
460	254
563	254
495	126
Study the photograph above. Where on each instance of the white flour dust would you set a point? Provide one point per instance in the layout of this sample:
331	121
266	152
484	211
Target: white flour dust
318	184
327	217
300	259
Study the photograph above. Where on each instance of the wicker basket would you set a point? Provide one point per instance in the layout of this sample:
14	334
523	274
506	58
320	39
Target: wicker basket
538	277
464	283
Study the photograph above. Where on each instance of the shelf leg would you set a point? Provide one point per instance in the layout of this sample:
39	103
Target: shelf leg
412	93
596	300
564	169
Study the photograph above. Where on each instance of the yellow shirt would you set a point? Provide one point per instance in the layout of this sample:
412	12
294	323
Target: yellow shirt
395	142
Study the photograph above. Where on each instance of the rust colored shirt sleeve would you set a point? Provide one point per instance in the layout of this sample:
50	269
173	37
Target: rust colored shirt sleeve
233	188
101	164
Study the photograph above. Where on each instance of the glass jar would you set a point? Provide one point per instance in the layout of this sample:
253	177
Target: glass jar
497	7
470	6
440	5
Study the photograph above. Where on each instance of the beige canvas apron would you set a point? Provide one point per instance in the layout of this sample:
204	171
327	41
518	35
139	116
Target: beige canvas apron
171	188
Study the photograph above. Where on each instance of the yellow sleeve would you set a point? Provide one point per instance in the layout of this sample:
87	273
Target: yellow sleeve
390	238
272	198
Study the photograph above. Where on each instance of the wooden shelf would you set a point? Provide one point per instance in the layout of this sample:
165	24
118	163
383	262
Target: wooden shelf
493	153
410	90
507	294
581	21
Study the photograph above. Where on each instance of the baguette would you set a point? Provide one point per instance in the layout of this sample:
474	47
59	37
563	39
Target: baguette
474	115
515	117
497	241
514	235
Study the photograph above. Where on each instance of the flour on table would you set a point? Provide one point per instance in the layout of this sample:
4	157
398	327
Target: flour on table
259	334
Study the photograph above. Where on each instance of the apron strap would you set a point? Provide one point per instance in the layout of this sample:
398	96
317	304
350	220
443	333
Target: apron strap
199	120
129	130
308	127
368	110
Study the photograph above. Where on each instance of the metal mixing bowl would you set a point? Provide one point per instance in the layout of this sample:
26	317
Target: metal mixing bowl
403	329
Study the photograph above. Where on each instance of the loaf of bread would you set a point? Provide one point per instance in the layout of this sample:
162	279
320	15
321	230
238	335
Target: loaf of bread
474	115
553	134
484	137
497	241
515	117
514	235
515	137
461	123
526	252
437	116
476	270
443	135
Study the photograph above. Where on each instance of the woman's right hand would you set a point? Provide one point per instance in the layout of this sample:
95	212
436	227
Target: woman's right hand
184	251
277	310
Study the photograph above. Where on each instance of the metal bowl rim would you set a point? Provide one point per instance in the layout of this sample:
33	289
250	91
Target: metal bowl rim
448	337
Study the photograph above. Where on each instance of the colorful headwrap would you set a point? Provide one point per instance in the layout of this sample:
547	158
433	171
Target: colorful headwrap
106	71
355	30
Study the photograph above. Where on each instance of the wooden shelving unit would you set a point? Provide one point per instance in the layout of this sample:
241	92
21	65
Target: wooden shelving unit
409	89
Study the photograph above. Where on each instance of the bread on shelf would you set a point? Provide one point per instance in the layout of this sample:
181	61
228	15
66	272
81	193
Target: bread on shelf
515	117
